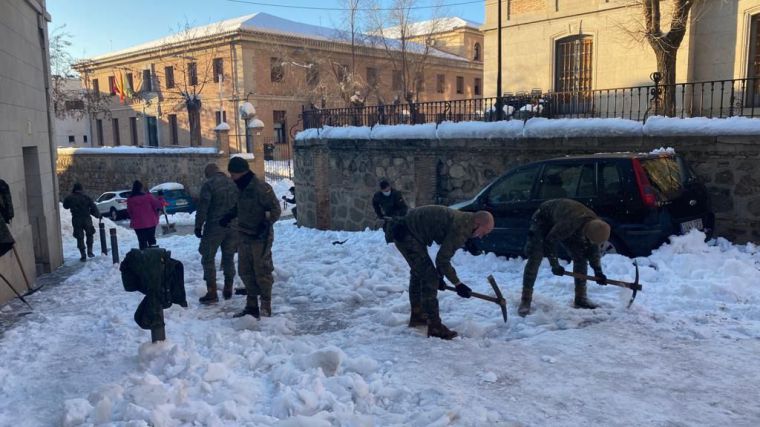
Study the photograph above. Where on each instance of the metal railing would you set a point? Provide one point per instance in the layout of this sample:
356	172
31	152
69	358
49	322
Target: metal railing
278	159
713	99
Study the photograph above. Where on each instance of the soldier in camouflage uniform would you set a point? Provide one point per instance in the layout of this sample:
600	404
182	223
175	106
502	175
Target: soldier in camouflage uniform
81	207
6	215
218	197
579	230
257	210
412	235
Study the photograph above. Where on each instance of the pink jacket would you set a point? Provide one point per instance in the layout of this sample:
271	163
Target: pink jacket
143	211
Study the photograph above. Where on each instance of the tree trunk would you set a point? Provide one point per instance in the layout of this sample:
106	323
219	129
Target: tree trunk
194	117
666	66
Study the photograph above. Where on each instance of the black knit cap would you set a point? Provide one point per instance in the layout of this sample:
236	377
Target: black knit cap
237	165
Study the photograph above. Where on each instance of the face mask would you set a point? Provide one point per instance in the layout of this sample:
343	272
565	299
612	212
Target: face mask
386	193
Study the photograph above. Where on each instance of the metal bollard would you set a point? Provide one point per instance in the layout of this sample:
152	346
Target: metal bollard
159	333
103	247
114	246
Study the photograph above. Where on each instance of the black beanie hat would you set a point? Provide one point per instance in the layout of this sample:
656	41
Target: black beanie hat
77	187
237	165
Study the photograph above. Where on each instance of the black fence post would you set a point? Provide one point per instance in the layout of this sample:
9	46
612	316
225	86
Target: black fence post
114	245
103	246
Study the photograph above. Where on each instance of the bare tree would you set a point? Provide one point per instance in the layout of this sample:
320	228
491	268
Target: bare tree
407	45
665	44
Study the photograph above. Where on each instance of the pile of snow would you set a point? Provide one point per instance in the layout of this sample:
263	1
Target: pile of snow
138	150
663	150
539	127
222	126
167	186
338	350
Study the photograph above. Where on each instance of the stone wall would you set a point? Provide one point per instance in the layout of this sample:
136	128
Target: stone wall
336	179
108	172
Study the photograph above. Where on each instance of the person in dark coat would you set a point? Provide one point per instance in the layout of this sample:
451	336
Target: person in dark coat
579	230
451	229
82	210
143	209
292	201
388	202
6	215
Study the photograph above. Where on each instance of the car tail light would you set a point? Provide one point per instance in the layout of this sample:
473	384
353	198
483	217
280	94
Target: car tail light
123	201
647	192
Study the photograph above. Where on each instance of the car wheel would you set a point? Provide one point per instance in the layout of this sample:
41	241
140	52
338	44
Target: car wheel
114	214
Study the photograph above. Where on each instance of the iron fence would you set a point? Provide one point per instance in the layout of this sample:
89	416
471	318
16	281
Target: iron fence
713	99
278	161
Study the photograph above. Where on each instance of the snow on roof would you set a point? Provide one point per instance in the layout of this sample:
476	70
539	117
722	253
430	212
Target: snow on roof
431	26
167	186
138	150
259	22
222	126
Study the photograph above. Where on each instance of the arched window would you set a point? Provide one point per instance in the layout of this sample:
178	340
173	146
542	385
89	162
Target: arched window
476	50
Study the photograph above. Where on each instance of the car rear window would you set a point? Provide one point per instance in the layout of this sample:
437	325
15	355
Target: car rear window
668	175
173	193
125	194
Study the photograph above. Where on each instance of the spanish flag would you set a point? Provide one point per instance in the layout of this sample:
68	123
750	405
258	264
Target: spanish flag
120	88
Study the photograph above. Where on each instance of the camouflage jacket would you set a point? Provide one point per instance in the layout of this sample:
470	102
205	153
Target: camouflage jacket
448	227
562	221
254	201
218	196
393	205
81	207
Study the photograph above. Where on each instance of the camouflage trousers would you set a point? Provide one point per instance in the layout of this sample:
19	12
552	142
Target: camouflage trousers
534	252
255	267
212	240
82	229
423	276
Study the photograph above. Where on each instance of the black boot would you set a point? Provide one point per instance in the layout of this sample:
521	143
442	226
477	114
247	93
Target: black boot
249	310
227	291
525	300
89	252
83	257
418	317
581	300
439	330
211	297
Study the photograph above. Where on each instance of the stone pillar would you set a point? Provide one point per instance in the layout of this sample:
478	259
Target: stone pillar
257	163
222	137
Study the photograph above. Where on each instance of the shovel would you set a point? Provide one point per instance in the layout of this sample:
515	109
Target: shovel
169	227
498	299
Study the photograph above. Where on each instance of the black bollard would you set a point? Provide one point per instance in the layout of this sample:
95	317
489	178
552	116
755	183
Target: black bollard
103	247
159	333
114	246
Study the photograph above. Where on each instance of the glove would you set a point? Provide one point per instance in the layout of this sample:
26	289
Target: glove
199	232
441	284
602	278
225	221
463	290
471	246
283	197
558	270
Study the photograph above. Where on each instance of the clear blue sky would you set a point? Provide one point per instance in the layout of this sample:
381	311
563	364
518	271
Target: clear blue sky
100	26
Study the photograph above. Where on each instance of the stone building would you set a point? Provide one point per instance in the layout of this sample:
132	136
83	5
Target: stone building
27	147
72	124
558	45
278	66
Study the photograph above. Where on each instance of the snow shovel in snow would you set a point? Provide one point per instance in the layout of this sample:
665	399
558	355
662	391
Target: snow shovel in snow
635	286
169	227
498	299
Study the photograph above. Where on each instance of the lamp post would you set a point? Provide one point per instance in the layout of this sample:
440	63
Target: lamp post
499	101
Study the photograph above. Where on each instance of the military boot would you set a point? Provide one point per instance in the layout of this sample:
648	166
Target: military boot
266	307
90	253
227	291
439	330
581	300
525	300
252	309
83	257
418	317
211	297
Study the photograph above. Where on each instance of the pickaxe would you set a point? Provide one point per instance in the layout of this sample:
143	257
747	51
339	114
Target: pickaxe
498	299
635	286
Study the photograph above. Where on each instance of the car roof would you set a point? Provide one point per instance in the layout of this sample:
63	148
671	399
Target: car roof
621	155
116	191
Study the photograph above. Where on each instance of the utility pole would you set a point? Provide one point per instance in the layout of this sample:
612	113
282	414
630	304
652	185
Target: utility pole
499	101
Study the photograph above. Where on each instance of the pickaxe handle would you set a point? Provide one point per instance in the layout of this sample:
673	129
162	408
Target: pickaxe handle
628	285
498	299
477	295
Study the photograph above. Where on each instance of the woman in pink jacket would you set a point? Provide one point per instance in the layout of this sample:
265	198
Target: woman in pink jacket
143	211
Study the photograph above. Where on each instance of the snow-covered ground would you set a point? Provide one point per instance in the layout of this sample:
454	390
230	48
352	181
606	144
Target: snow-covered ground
338	351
